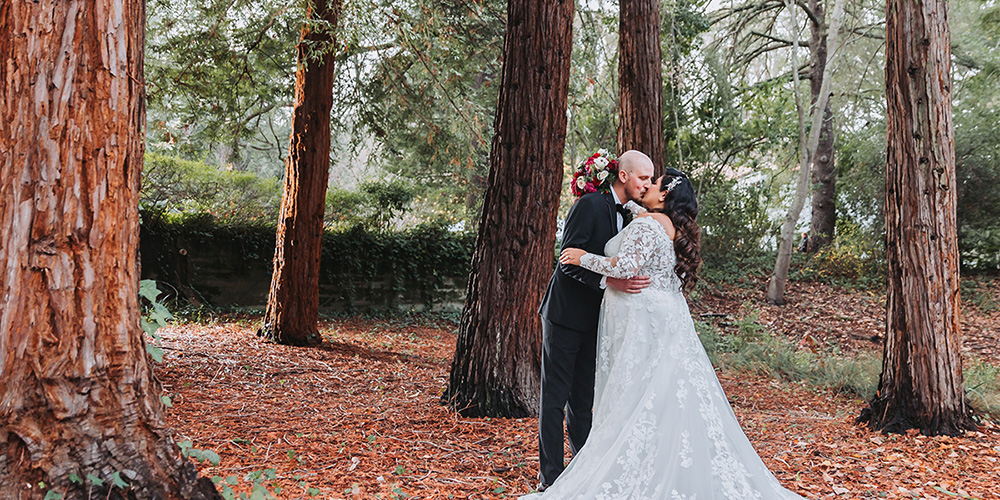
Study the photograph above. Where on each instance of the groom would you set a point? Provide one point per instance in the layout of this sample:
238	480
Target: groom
570	311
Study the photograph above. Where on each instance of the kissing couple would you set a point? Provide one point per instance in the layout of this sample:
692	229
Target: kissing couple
622	365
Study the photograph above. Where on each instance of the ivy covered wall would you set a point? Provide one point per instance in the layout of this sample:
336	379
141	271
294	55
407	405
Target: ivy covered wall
203	263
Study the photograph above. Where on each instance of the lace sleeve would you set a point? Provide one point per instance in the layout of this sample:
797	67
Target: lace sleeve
639	242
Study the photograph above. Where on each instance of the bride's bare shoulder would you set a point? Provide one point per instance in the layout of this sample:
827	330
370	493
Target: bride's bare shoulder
668	225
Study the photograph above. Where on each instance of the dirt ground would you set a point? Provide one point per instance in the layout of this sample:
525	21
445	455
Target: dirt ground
359	416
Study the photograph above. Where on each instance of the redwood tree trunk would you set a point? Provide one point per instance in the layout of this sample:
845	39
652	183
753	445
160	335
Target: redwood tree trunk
640	80
496	368
293	300
824	176
77	392
921	384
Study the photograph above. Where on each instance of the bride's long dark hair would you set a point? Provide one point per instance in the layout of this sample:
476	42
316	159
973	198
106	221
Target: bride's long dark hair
682	208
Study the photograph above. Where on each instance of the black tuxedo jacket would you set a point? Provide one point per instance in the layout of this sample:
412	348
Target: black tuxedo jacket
573	299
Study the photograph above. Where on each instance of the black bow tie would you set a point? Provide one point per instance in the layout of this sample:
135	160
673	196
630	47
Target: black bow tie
622	210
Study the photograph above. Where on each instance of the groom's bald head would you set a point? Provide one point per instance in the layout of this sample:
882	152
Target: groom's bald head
635	171
632	161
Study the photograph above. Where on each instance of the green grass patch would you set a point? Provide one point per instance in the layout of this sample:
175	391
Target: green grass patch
753	349
982	386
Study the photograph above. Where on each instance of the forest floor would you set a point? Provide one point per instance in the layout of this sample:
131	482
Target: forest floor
359	416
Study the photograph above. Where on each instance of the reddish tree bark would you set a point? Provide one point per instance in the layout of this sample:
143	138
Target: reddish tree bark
293	300
77	392
496	367
640	80
921	384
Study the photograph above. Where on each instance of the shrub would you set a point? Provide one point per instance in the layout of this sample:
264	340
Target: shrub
173	187
854	259
735	224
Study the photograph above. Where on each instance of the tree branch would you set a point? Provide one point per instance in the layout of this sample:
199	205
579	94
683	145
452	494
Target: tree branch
809	12
779	40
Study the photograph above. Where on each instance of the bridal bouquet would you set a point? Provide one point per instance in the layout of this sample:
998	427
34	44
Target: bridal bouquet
595	173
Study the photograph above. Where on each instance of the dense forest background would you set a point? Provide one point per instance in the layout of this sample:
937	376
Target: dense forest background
416	93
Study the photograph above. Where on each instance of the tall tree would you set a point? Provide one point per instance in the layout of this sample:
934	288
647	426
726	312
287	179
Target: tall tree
807	156
293	300
921	384
824	174
640	80
77	391
755	39
496	368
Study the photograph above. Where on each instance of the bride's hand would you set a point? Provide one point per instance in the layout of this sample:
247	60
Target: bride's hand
571	256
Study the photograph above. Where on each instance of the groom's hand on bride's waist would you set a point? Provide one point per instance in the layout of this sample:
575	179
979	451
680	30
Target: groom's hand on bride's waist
635	284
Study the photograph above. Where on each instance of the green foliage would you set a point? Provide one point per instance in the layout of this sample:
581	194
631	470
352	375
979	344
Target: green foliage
256	480
420	84
979	294
861	179
754	349
173	187
735	224
155	316
344	208
982	387
426	254
220	77
421	258
853	259
182	190
199	455
390	199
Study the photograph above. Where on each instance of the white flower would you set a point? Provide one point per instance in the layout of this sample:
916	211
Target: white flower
602	152
601	162
581	182
603	175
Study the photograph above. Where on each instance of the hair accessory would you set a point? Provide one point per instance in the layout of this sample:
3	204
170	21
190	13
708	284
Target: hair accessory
673	183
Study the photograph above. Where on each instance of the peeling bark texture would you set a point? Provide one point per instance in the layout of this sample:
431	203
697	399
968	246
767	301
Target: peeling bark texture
496	368
293	300
640	81
77	391
824	174
921	384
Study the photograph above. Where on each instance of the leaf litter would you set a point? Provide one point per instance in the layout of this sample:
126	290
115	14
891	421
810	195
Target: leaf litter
360	415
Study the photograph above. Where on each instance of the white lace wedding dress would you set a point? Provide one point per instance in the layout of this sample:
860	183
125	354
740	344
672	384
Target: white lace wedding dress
663	427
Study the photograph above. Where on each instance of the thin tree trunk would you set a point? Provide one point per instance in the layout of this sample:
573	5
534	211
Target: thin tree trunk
807	148
293	300
640	80
496	367
921	385
824	177
77	390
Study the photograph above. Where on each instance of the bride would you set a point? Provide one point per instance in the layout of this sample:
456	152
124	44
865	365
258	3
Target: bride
663	427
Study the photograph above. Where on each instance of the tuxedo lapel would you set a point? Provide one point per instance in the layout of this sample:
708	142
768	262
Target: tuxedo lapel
612	212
